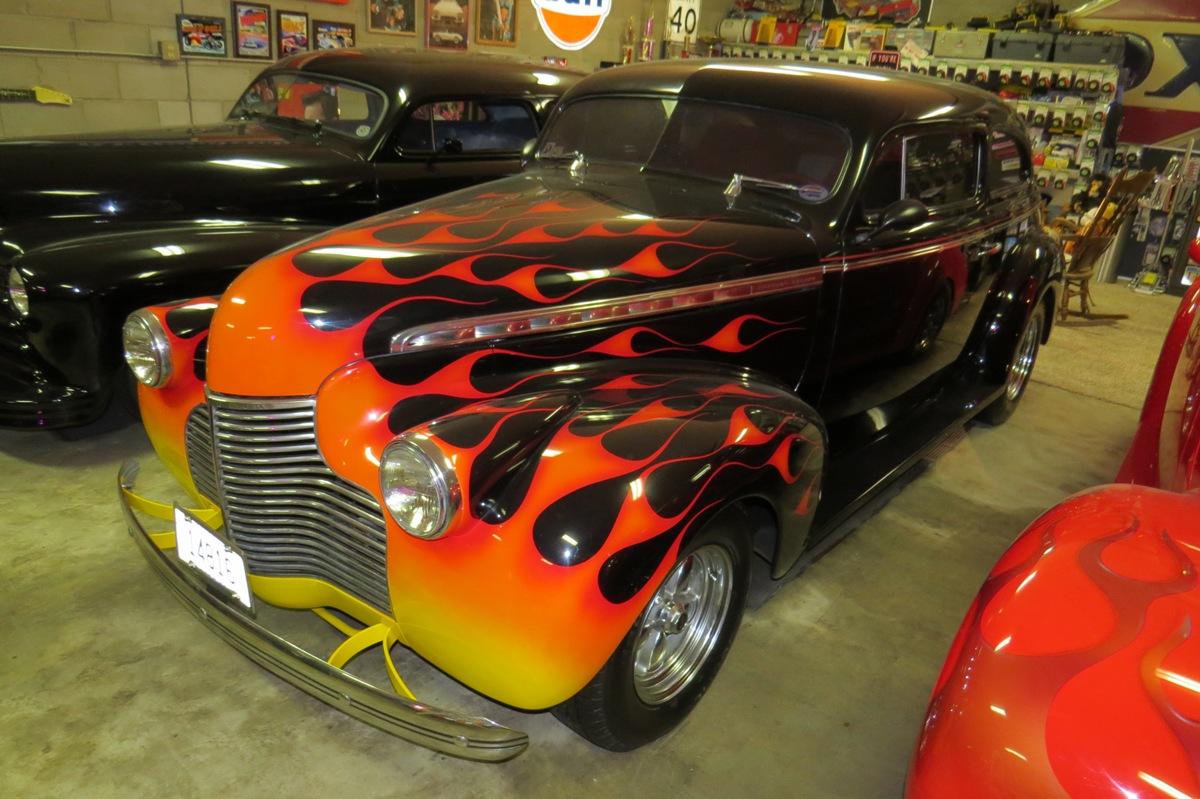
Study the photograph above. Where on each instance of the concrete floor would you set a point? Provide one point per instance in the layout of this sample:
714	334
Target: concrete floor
111	689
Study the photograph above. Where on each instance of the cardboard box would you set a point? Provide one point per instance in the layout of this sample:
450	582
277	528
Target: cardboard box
786	34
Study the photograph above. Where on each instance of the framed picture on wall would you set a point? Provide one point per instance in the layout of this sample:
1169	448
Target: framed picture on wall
496	22
332	35
291	32
446	24
201	35
251	30
397	17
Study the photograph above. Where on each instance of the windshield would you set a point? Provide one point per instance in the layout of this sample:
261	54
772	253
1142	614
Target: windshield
344	108
702	139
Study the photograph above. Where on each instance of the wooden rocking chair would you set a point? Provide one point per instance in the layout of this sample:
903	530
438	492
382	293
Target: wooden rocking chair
1085	249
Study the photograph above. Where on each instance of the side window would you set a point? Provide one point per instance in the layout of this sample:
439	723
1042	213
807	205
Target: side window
1008	163
467	126
884	184
941	168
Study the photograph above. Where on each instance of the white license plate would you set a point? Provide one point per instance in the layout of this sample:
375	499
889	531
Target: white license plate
200	547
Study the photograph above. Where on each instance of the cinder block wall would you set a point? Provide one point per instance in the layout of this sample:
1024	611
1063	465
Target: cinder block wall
115	92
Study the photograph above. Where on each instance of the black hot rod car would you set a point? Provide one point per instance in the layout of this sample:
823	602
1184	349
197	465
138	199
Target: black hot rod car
538	431
93	227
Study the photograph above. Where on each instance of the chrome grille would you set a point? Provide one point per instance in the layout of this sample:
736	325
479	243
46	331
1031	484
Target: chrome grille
284	508
200	455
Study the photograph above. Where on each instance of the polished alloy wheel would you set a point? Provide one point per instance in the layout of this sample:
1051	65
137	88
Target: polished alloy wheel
681	626
1022	363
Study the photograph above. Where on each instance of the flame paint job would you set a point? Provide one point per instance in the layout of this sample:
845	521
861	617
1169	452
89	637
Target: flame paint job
587	455
1076	671
165	410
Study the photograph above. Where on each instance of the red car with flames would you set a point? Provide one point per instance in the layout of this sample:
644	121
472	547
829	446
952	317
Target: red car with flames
539	431
1077	669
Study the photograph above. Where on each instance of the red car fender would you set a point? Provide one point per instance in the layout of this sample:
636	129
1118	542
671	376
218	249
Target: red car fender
575	499
1166	447
1074	673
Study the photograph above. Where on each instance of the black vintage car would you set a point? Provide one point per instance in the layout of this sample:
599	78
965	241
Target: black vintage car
92	227
547	432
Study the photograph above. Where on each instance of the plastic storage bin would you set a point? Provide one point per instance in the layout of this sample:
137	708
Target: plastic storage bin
1023	46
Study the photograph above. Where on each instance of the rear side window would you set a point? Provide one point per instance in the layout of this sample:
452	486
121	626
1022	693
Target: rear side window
467	126
1008	165
941	168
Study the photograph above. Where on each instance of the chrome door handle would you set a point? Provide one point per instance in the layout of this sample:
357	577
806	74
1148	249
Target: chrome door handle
984	250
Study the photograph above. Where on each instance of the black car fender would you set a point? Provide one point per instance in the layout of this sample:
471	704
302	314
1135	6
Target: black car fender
82	287
1031	274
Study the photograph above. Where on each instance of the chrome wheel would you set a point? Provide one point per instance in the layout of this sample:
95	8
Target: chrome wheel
681	626
1022	363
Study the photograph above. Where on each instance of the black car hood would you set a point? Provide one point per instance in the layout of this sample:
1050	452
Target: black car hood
233	168
535	240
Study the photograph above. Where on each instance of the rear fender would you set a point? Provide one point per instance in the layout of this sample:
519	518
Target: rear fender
1029	273
577	495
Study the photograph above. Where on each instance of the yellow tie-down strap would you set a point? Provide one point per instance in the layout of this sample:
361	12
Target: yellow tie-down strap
164	511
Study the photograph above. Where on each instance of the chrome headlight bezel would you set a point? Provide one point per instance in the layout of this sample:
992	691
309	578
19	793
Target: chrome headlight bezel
147	349
412	461
17	292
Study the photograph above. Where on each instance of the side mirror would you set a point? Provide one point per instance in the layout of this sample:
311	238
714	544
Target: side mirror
902	215
527	151
452	146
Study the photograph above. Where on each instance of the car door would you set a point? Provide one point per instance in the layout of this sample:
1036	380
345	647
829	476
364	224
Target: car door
902	289
450	144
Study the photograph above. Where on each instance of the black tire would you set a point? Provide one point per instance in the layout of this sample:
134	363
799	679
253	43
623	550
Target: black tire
1015	382
936	314
609	711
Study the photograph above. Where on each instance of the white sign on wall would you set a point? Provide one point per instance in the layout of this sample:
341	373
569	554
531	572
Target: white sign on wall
683	20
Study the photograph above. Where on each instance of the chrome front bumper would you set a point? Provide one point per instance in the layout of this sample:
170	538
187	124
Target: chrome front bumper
468	737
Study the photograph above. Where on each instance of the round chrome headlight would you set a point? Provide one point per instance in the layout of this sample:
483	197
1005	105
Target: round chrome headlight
17	293
147	349
419	486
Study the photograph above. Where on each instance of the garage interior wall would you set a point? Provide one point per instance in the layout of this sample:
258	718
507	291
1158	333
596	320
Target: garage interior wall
141	91
138	90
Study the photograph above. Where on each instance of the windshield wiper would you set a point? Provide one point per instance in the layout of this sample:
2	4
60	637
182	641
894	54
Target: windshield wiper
315	125
774	189
578	165
740	181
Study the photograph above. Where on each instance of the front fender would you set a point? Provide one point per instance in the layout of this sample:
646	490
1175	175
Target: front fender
82	286
165	409
578	487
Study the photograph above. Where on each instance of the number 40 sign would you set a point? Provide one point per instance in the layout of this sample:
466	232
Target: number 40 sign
683	18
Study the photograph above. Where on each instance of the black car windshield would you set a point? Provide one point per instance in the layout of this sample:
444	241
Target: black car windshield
344	108
708	140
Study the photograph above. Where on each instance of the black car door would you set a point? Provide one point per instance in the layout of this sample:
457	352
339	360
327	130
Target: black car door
902	288
450	144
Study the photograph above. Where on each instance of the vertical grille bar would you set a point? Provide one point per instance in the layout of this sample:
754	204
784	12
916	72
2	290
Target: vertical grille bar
284	508
200	455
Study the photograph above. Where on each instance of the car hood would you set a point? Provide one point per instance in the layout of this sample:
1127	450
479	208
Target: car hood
236	167
536	240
